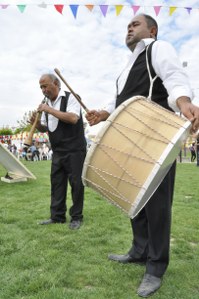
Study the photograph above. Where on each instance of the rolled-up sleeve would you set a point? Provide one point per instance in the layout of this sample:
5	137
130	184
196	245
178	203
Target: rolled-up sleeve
43	119
73	105
110	106
168	67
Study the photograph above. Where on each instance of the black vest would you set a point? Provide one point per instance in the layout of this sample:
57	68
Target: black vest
67	137
138	82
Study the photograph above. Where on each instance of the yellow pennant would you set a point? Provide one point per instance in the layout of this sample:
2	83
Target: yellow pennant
171	10
118	9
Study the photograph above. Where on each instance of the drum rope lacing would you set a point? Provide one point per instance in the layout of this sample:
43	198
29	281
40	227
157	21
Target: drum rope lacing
107	193
108	198
129	155
136	183
154	106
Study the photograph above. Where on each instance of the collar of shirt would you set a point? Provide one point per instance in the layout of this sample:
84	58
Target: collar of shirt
56	103
132	58
52	120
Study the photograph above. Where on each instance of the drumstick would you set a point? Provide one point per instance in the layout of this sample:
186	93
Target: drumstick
71	90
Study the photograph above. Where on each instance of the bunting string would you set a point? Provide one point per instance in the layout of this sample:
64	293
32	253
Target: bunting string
103	8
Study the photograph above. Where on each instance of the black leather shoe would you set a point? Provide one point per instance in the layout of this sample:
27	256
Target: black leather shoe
50	221
75	224
125	259
149	285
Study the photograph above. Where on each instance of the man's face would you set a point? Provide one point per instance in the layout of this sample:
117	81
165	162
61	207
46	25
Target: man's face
48	87
137	30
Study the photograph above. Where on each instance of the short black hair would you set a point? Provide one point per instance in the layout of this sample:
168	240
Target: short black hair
151	22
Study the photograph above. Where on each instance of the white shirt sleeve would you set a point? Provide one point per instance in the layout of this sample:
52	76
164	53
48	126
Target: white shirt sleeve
43	119
110	107
73	105
168	67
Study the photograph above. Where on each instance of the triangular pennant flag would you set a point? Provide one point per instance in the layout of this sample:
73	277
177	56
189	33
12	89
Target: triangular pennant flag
171	10
188	9
42	5
104	9
157	9
21	7
59	8
90	6
4	6
135	8
74	9
118	9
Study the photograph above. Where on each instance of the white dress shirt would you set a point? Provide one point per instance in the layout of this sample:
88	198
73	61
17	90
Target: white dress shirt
73	106
167	67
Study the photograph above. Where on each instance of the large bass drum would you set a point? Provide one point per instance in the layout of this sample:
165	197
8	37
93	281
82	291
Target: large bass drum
133	152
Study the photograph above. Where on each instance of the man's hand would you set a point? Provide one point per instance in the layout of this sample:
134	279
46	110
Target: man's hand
32	117
191	112
94	117
43	107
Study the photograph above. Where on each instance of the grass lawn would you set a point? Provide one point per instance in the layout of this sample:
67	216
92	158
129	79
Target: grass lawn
53	262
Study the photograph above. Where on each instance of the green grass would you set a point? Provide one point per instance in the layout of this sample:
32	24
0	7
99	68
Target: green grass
53	262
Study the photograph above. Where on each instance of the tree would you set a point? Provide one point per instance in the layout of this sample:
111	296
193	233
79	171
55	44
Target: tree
24	125
6	131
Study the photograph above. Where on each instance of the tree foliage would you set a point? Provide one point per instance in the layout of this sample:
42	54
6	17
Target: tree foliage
6	131
24	125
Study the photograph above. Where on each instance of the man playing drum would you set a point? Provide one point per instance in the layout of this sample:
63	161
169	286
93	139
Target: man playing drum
171	90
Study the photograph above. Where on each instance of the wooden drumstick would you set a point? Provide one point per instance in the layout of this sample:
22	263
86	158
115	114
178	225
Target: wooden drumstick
71	90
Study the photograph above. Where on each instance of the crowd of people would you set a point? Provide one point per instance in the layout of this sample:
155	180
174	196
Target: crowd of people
36	152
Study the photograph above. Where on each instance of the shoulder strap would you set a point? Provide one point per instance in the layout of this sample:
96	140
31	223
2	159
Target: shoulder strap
63	105
150	68
64	102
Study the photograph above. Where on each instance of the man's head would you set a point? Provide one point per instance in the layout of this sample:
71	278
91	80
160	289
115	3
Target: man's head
50	86
142	26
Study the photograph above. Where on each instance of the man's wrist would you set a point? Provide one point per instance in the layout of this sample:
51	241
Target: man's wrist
182	101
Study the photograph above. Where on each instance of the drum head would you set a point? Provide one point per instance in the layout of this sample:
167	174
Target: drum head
133	152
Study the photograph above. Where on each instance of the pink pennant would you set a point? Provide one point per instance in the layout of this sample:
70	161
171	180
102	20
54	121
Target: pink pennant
104	9
157	10
3	6
135	8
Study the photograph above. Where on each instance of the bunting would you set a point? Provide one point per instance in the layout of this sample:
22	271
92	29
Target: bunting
135	8
157	9
103	8
59	8
118	9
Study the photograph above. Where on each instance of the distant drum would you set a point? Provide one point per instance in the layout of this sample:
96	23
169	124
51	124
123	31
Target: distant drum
133	152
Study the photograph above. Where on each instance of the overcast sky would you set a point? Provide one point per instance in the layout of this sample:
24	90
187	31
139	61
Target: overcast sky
89	50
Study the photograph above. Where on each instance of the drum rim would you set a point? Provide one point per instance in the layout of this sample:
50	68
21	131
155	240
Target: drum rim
166	156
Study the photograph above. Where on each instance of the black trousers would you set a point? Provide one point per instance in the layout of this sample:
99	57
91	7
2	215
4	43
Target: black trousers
193	156
67	168
151	228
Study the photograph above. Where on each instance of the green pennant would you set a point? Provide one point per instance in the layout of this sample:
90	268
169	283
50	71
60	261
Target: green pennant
21	7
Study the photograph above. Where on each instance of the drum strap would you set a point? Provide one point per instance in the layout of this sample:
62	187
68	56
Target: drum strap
152	80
